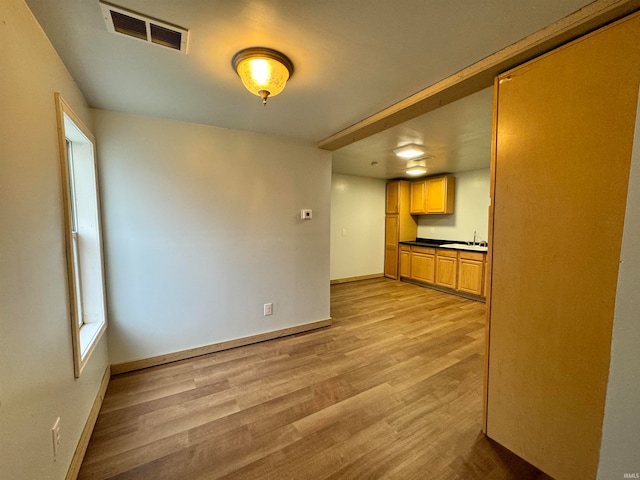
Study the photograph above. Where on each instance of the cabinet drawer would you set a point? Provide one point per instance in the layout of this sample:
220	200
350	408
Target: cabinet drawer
427	250
443	252
479	256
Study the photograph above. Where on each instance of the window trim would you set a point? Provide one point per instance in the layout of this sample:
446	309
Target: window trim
85	336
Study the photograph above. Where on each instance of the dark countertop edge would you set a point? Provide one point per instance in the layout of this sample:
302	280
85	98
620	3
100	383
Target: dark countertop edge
432	243
421	244
429	242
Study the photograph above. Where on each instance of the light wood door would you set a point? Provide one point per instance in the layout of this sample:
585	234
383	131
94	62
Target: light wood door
446	268
561	157
405	261
435	195
391	262
440	195
393	198
400	226
470	276
423	267
419	197
391	246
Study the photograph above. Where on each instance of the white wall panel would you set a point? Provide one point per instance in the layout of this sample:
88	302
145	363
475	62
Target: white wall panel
471	211
37	382
357	226
202	227
621	428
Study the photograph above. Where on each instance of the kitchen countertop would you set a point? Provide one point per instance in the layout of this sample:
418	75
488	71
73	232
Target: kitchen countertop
451	244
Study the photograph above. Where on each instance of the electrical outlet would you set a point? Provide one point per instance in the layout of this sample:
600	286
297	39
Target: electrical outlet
55	437
268	309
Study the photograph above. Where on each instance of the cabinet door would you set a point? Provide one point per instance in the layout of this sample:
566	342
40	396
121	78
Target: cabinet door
391	246
470	276
418	197
436	195
423	267
440	195
391	261
391	230
405	261
393	196
446	269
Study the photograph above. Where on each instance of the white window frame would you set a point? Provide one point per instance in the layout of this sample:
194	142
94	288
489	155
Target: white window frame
83	234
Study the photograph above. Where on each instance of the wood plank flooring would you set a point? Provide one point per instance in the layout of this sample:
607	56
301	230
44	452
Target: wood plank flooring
392	390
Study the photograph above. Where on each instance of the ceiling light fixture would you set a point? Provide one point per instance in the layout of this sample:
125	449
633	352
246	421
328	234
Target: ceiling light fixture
416	167
410	151
263	71
415	171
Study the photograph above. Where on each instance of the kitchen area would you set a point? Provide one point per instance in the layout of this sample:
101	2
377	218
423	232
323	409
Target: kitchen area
392	215
372	224
426	244
563	318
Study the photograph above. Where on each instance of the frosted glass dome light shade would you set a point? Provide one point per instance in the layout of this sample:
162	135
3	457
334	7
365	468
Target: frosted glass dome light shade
410	151
263	71
416	171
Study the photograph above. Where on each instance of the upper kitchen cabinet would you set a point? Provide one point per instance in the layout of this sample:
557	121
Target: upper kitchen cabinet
393	196
435	195
564	127
440	194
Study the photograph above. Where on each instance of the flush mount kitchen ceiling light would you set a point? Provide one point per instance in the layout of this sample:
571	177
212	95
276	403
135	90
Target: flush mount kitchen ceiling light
410	151
263	71
416	167
416	171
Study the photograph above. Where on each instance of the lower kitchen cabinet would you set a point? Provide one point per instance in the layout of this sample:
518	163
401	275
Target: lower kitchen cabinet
391	261
423	264
470	272
446	268
453	270
405	261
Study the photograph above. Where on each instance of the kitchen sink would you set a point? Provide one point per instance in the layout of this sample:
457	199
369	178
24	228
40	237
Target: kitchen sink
464	246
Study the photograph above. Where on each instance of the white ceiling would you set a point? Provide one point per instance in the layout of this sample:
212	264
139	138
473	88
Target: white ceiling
457	138
352	59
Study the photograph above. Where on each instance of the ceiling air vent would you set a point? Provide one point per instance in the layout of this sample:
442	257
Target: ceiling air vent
132	24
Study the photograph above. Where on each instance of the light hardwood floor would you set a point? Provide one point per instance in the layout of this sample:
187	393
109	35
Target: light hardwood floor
392	390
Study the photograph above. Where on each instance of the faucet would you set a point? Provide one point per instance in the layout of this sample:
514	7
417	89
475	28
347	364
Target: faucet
474	238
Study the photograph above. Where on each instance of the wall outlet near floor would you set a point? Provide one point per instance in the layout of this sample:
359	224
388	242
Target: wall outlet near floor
55	437
268	309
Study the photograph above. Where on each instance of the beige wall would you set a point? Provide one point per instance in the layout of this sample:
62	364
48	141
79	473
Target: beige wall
202	227
471	211
357	226
357	220
621	429
37	382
